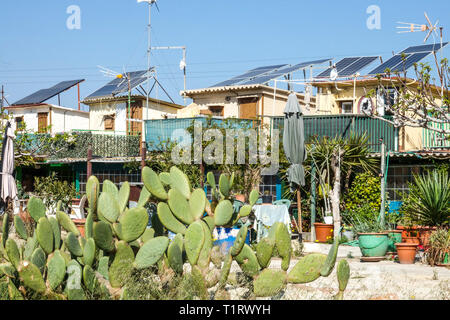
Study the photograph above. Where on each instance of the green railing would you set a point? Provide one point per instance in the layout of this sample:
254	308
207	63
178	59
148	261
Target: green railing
435	140
103	145
158	132
342	125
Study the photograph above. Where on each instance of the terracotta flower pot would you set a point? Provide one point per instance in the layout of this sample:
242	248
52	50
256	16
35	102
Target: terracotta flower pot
80	224
406	252
424	235
414	240
324	232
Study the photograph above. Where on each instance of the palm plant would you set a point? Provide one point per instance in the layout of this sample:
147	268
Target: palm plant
428	202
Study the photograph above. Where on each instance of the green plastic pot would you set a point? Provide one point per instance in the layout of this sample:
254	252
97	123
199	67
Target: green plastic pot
395	236
373	244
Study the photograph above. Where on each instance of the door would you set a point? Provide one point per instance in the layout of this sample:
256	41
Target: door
248	108
134	128
42	122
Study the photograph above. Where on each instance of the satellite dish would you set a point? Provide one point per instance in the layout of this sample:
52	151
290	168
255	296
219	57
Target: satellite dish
333	74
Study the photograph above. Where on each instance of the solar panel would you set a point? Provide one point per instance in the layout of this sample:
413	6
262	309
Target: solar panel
117	86
349	66
45	94
389	64
425	48
248	75
281	72
410	61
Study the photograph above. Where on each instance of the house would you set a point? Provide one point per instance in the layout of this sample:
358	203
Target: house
116	109
42	117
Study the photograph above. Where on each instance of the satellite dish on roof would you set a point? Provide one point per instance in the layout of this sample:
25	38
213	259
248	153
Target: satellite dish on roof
333	74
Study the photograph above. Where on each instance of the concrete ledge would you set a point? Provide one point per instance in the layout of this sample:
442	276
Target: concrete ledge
309	247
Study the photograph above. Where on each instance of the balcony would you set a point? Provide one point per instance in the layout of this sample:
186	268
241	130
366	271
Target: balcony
342	124
76	147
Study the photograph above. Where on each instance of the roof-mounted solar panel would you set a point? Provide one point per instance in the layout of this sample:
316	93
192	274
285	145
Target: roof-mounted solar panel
118	86
425	48
248	75
46	94
349	66
284	71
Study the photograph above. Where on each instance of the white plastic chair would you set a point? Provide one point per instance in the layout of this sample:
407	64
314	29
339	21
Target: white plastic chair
78	210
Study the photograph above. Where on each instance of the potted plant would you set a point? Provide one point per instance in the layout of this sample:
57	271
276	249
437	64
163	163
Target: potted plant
437	254
406	252
324	231
373	240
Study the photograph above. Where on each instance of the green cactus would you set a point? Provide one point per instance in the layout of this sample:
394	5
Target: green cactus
89	226
12	252
307	269
111	188
175	254
343	275
264	251
31	277
89	252
36	208
120	269
194	240
108	208
180	181
253	198
210	222
328	266
73	245
269	283
211	180
197	203
179	206
89	279
56	270
103	267
8	270
224	185
14	293
133	224
153	184
148	234
39	259
204	257
240	241
103	236
232	180
169	221
151	252
245	211
73	288
124	195
199	282
247	261
92	192
223	213
144	197
44	232
165	178
67	224
29	247
21	230
225	271
5	229
56	232
283	244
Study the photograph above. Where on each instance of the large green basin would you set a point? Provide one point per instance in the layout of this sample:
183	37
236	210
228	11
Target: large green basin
373	244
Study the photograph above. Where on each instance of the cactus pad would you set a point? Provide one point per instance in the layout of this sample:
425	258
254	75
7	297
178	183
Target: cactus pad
124	194
264	251
44	232
103	236
56	232
12	252
21	230
133	224
120	269
179	206
307	269
31	276
153	183
169	221
179	180
223	213
269	283
194	240
240	241
73	245
56	270
108	207
247	261
151	252
67	224
197	203
36	208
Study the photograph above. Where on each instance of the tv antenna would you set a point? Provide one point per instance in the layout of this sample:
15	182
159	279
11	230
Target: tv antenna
413	27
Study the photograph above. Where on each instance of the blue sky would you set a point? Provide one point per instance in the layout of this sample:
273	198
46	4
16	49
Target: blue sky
223	38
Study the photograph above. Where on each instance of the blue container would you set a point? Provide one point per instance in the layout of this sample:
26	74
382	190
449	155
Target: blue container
225	238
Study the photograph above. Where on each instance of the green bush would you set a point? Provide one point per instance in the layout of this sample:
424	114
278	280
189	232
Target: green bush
51	190
365	191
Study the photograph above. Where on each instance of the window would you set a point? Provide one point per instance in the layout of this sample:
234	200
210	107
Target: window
216	111
346	107
19	123
42	122
248	108
397	180
109	122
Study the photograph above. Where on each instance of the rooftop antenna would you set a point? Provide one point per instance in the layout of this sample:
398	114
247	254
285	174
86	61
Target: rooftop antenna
149	48
430	29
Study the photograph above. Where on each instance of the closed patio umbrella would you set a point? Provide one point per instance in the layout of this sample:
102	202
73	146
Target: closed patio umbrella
294	148
8	183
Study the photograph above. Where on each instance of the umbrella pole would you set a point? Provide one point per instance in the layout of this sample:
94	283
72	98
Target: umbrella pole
299	211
